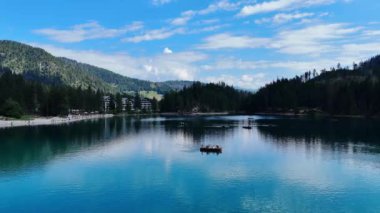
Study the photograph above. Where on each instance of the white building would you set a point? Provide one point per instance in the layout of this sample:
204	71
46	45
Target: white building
106	103
124	102
128	103
146	105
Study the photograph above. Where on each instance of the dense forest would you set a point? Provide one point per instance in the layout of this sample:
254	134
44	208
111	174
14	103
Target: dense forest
19	97
338	91
205	98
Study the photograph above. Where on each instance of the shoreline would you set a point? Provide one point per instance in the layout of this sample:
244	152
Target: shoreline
44	121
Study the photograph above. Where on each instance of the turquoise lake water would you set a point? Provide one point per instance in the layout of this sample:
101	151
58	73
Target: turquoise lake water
153	164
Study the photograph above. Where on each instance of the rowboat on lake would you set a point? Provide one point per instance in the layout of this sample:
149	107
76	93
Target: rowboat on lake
211	149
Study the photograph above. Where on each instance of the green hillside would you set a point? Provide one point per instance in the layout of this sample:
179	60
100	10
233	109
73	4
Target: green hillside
39	65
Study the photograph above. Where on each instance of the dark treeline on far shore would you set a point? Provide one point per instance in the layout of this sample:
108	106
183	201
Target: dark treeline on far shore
205	98
339	91
20	97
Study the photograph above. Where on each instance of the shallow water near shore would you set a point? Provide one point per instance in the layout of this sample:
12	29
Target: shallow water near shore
153	164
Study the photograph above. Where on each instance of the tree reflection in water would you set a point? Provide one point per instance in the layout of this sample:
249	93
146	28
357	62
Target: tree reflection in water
344	134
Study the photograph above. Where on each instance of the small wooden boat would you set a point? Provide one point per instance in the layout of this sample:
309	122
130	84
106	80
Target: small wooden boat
247	127
211	149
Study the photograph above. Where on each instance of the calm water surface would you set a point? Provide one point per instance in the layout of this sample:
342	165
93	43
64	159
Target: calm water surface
154	165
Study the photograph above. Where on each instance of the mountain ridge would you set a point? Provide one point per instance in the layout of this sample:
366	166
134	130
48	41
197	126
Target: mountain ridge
37	64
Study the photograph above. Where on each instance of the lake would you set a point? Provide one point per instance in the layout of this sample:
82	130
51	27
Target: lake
153	164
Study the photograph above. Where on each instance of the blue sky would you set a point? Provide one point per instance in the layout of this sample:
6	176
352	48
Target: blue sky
246	43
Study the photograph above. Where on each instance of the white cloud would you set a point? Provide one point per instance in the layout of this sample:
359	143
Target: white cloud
151	35
207	29
372	33
228	41
184	18
265	71
221	5
233	64
361	51
167	51
312	40
178	66
279	5
181	65
284	18
246	81
86	31
266	7
295	67
345	54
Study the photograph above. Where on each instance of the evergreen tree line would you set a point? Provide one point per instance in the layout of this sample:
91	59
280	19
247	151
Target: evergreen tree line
19	97
204	98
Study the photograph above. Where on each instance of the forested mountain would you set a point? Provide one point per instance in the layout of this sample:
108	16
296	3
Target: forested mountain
122	83
38	65
339	91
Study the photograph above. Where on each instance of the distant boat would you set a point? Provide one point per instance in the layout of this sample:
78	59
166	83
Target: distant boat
211	149
247	127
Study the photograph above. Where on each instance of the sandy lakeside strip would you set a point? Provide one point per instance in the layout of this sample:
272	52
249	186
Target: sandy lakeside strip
40	121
